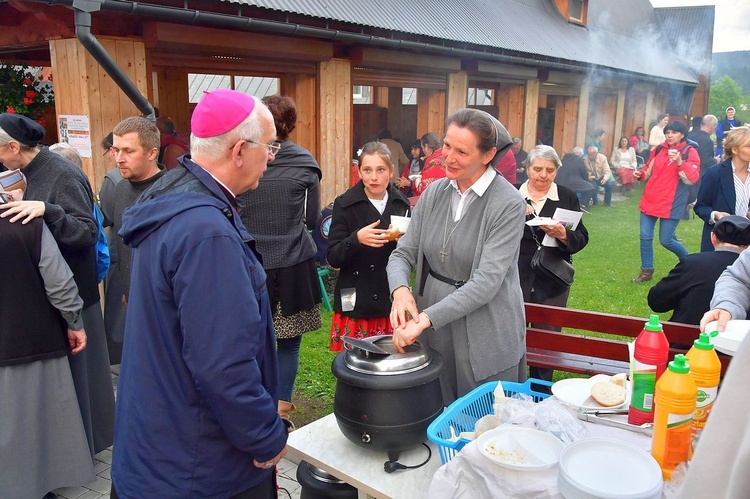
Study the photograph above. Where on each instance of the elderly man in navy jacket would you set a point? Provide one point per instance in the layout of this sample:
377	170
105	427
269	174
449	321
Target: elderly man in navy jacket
197	395
690	285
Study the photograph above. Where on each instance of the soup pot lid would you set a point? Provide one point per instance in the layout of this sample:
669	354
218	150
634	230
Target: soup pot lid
363	355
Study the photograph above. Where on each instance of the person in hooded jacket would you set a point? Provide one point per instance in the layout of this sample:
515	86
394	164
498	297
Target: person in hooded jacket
198	387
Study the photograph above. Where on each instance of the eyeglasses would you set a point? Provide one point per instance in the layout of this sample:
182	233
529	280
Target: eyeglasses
272	148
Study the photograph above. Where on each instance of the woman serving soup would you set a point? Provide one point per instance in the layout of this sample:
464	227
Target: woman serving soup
463	241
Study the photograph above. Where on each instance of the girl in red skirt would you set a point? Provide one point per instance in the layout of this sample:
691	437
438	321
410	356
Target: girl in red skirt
359	245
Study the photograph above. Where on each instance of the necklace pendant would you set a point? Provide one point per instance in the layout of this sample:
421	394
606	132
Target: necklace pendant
443	254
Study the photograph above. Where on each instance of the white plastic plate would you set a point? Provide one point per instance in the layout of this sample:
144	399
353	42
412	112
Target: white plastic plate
605	467
520	448
536	222
577	392
729	341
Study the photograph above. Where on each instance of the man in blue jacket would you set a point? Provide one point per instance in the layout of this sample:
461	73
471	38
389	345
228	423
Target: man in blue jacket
197	393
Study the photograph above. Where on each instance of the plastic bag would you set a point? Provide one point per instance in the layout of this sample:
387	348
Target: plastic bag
554	418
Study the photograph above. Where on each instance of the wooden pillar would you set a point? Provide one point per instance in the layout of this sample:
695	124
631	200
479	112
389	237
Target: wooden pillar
651	112
396	117
530	113
171	96
335	111
458	88
619	117
380	96
430	112
583	113
84	88
509	100
301	88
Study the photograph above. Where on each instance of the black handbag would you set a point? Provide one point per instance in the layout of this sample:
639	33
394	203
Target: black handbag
548	262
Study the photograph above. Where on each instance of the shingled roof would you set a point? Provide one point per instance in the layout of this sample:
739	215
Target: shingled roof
623	35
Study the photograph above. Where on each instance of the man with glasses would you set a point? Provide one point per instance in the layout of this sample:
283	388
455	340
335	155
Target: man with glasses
197	392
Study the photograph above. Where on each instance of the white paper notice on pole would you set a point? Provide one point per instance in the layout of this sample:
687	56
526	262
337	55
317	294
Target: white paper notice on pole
74	129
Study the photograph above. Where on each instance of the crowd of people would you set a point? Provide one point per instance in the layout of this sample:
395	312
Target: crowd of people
212	279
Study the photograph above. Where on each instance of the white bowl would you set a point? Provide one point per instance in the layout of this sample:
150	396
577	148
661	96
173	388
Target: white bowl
519	448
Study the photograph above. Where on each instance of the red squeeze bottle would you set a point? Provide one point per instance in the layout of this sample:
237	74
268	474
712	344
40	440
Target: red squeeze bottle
651	355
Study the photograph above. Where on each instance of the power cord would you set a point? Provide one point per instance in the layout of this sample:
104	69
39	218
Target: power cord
391	466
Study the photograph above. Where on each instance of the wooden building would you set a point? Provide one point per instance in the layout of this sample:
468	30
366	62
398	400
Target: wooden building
551	70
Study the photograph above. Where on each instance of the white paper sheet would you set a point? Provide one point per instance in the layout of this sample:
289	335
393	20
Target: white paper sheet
568	218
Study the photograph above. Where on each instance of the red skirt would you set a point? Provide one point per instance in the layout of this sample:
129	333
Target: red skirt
626	176
342	325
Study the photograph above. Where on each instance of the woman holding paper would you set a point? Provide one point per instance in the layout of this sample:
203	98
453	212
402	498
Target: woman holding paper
544	198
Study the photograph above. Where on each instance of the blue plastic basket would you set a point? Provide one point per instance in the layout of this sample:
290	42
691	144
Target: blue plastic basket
463	414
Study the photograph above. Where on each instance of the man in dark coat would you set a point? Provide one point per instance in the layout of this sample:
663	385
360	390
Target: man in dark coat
702	137
688	288
573	175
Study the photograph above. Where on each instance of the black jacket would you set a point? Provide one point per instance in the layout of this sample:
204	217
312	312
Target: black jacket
577	240
362	267
690	285
705	148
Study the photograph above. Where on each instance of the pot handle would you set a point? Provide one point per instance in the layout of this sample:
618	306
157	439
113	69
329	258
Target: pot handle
365	345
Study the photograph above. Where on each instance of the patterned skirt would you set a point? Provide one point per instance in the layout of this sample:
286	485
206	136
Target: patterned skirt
291	326
342	325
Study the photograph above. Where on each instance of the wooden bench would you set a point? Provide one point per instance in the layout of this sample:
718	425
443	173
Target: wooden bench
578	353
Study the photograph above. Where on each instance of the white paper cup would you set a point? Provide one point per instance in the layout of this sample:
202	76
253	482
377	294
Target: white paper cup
400	223
416	178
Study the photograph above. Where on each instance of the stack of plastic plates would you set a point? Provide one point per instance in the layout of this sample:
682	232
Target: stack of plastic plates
594	468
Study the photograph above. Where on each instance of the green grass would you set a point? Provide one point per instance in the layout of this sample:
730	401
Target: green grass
602	284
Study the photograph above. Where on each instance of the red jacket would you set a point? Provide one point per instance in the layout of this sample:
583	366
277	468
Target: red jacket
507	166
665	195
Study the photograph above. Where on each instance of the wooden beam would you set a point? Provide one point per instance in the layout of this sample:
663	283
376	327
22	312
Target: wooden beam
484	68
301	88
430	112
335	147
458	88
531	113
583	112
388	59
90	91
216	41
619	118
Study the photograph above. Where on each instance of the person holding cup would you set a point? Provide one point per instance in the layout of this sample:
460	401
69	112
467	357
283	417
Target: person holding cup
673	166
359	244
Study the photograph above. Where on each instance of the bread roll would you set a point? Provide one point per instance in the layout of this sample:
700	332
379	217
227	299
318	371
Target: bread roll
608	394
619	379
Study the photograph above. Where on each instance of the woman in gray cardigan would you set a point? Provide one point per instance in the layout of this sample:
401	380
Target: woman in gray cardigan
463	241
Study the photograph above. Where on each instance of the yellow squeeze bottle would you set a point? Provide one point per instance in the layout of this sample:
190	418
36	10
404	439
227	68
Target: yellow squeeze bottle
674	401
705	369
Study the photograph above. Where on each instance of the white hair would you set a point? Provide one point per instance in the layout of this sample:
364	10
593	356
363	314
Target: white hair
5	139
68	152
544	152
214	148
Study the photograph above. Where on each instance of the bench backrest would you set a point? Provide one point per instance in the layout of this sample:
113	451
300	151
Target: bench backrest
606	349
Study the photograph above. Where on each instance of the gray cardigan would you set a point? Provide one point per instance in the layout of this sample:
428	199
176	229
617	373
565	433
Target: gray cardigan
732	290
491	299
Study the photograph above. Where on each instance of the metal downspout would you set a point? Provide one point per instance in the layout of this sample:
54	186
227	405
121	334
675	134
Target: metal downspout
82	10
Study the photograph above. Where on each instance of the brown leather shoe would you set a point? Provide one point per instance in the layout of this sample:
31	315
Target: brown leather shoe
645	275
285	409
